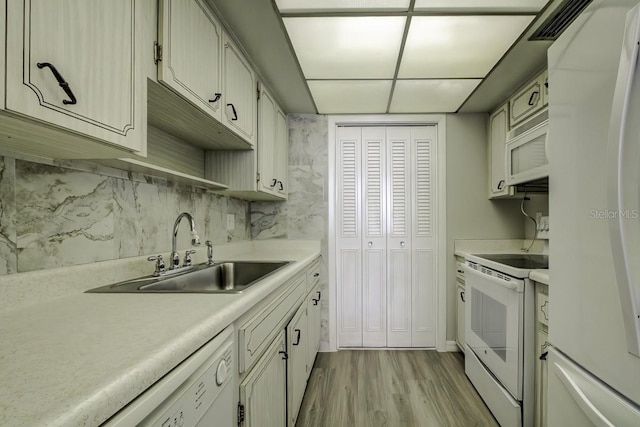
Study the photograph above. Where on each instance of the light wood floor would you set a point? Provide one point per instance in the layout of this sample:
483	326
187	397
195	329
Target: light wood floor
391	388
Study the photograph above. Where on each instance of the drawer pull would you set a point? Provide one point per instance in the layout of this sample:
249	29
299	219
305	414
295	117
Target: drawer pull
533	97
63	84
462	296
284	354
297	337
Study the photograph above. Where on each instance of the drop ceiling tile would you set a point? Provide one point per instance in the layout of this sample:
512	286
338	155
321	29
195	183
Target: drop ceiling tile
350	96
479	5
431	96
346	47
458	46
306	6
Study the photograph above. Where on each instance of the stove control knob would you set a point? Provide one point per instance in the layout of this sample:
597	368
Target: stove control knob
221	372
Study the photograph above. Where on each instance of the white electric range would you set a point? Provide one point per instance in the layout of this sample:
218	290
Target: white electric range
499	330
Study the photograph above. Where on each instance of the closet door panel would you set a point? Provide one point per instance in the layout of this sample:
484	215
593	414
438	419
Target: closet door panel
399	236
423	197
349	236
374	311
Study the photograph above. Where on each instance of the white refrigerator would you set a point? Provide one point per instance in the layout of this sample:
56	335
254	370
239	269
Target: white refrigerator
594	206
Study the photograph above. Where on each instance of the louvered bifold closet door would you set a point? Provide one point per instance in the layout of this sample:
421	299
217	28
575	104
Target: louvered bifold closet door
374	250
349	236
399	222
423	155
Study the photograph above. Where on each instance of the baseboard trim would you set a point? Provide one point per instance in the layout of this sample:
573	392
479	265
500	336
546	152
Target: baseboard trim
452	346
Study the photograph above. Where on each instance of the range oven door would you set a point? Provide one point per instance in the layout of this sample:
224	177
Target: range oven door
494	324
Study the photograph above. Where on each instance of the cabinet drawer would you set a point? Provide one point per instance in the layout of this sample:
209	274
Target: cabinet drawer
460	271
255	334
542	308
313	276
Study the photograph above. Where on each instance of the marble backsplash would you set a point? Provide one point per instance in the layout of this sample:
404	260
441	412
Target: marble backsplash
305	214
61	213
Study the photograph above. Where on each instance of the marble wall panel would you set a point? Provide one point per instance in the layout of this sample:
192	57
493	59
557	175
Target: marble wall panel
8	254
55	214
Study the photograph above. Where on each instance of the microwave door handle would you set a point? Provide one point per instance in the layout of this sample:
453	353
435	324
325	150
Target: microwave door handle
623	182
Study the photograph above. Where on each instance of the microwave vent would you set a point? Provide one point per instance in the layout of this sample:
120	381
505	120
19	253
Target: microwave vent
555	24
529	124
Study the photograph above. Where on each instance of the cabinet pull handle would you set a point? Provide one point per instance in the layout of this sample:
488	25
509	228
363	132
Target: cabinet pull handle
370	244
315	301
316	274
402	244
501	184
281	185
64	85
532	97
235	113
297	337
284	354
273	184
319	295
216	97
544	355
462	296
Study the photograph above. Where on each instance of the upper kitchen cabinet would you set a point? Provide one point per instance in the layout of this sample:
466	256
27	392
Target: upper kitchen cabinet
260	174
206	90
239	93
191	41
530	99
498	128
70	93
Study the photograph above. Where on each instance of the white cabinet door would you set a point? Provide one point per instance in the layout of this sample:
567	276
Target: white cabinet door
527	101
460	317
238	93
313	324
399	236
498	127
281	161
349	236
267	143
263	393
191	42
374	250
89	82
297	342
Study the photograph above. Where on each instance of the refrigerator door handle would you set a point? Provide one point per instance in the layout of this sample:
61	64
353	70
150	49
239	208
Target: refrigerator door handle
588	408
624	182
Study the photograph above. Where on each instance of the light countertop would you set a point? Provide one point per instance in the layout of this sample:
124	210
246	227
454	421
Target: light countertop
78	359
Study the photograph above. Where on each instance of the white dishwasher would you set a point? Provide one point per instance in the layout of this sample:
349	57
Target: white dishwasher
198	392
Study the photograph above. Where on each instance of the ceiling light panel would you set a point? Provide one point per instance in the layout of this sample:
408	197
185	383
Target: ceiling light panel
431	96
520	6
350	96
314	6
458	46
346	47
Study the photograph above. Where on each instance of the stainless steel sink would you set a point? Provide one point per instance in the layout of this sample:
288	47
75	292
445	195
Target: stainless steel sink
222	277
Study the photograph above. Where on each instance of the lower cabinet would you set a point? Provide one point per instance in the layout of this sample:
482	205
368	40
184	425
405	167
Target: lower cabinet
542	344
277	342
263	392
297	344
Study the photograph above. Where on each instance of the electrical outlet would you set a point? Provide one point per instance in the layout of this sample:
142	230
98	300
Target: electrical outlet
231	221
538	217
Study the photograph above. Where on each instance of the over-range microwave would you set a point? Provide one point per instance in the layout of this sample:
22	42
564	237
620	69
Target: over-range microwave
527	150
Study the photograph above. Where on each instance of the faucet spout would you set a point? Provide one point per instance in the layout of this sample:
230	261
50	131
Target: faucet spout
195	239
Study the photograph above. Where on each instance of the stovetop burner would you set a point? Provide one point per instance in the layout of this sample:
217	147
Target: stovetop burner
519	260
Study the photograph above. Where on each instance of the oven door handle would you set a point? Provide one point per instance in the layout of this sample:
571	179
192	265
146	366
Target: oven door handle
516	285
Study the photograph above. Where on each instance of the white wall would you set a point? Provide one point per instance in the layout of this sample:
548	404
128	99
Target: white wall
470	215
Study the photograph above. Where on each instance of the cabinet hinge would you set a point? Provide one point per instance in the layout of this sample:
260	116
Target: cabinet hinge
258	90
157	52
240	414
258	177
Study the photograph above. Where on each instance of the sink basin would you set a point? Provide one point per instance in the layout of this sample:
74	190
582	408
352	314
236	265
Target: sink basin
222	277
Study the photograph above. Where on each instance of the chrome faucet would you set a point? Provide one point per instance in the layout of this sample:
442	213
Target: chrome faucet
209	252
195	240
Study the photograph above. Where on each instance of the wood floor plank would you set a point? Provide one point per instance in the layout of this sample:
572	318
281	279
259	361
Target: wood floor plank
391	388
